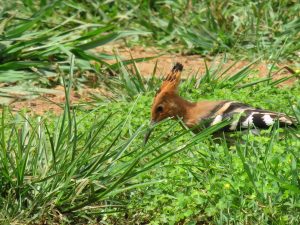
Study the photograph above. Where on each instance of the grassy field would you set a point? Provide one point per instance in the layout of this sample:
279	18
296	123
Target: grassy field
89	165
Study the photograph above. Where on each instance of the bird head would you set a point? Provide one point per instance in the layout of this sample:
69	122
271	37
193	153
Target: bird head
165	101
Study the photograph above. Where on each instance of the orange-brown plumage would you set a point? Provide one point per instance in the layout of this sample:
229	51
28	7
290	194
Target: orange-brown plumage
168	104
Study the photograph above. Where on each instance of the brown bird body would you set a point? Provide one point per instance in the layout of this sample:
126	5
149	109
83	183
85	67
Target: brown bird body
168	104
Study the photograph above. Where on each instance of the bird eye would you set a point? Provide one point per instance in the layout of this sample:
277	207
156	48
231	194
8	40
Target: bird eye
159	109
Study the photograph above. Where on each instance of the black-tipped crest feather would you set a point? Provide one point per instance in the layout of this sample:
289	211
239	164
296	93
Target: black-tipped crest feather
177	67
172	76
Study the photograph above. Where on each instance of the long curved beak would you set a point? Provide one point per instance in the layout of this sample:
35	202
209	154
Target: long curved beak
149	131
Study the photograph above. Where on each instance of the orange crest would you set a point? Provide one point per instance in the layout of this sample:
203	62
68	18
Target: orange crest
164	104
166	101
172	80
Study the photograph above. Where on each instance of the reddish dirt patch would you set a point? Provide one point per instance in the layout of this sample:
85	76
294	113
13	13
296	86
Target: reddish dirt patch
55	103
45	103
194	64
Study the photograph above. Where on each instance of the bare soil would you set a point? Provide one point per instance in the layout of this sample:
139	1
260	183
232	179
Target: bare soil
192	64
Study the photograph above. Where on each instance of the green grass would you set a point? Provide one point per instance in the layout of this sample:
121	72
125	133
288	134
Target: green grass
37	36
89	165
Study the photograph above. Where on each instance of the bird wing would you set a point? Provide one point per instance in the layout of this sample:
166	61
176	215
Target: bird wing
243	116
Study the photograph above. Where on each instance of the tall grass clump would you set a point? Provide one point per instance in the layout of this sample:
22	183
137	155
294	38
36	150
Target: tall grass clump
253	29
62	168
35	41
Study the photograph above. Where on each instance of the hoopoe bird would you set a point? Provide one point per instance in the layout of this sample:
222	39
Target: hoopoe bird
168	104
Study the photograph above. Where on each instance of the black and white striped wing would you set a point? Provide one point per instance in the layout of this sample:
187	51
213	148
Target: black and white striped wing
244	116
